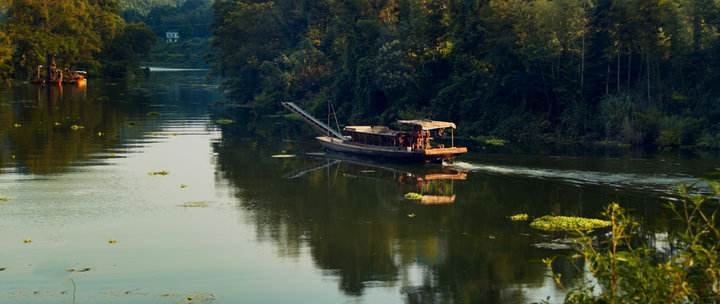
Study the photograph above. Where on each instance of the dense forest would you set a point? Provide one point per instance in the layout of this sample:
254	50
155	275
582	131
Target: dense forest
81	34
191	19
619	72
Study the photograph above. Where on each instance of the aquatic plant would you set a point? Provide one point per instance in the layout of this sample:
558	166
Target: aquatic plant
195	204
494	141
567	223
520	217
413	196
224	121
158	173
627	270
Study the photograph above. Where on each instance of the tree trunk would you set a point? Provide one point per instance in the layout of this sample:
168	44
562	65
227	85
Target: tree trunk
629	68
647	67
607	80
618	71
582	65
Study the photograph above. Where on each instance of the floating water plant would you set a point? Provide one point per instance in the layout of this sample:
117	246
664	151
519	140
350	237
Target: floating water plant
195	204
413	196
86	269
283	156
76	127
494	141
158	173
567	223
520	217
224	121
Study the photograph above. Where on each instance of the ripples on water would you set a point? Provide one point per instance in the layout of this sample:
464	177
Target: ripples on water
665	183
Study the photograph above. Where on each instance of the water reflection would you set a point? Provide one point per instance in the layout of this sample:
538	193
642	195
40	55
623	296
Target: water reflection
47	130
356	224
329	219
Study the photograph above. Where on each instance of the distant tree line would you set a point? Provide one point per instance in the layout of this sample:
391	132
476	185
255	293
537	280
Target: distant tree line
190	18
81	34
632	72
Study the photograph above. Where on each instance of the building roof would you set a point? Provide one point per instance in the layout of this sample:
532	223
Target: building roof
427	124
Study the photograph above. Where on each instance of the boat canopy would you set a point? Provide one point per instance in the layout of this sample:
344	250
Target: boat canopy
373	130
427	124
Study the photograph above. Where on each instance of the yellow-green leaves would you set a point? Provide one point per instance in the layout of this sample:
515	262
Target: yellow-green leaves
520	217
413	196
567	223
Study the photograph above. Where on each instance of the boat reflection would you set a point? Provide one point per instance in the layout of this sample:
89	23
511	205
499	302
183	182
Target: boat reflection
433	185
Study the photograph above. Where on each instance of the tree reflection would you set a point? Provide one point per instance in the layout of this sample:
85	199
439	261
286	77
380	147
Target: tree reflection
358	227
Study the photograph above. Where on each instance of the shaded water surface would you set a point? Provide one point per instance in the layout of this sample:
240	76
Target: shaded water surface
131	193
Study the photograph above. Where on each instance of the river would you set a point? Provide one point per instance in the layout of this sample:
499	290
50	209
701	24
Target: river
133	193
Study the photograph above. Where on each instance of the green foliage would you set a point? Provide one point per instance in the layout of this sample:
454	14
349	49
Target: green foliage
81	34
567	223
524	70
413	196
627	271
75	31
5	53
190	18
520	217
126	49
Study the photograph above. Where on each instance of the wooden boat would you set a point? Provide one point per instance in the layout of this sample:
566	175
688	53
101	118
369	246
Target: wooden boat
78	78
412	143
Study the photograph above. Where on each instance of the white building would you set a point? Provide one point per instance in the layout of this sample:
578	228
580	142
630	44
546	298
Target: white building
172	37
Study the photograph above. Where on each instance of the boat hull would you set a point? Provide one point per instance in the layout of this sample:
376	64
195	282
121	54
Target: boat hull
390	153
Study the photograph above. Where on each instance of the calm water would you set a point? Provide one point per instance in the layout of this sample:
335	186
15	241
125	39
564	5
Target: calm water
232	222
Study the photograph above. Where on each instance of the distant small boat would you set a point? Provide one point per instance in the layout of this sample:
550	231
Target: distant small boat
59	77
413	144
78	78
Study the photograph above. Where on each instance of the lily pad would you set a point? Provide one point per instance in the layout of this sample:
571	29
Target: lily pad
196	204
224	121
86	269
158	173
520	217
494	141
413	196
283	156
567	223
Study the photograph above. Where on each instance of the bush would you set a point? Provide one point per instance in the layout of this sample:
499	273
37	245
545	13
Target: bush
678	131
627	271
